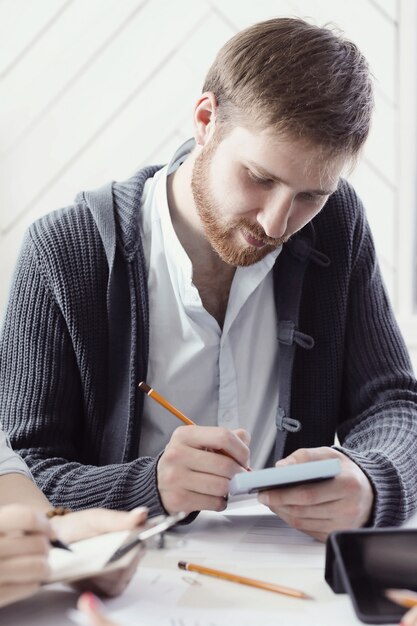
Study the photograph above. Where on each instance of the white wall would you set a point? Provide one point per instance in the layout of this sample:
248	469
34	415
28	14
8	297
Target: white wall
92	89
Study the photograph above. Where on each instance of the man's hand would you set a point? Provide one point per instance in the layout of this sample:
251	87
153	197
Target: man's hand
192	476
319	508
24	547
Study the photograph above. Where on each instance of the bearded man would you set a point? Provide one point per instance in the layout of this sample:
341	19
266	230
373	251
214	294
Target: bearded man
240	281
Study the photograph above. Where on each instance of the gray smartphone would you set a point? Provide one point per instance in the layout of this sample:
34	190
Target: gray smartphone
289	475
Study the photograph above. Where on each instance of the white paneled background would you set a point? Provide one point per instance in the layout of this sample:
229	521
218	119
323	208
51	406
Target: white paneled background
90	90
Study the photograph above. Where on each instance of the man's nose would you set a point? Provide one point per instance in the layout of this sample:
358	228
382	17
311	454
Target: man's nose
275	212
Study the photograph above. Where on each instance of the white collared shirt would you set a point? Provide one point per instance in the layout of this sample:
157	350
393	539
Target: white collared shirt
217	377
10	462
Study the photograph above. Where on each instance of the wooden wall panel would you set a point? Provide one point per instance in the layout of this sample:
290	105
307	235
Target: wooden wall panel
89	91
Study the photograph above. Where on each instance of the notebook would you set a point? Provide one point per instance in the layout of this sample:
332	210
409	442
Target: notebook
106	552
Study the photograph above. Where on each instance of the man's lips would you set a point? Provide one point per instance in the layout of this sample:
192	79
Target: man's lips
252	241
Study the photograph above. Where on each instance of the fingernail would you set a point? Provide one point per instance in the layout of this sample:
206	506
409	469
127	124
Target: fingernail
91	600
281	463
263	498
139	510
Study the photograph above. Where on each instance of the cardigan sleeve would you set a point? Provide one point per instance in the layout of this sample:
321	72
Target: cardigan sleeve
379	394
43	403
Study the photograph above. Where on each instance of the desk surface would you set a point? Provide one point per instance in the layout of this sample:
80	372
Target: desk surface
244	540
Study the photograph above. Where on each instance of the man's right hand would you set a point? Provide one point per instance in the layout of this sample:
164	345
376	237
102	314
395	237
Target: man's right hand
192	476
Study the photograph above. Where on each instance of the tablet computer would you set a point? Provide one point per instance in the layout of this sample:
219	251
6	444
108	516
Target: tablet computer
288	475
366	562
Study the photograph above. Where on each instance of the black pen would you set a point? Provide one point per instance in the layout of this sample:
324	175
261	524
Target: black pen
58	511
57	543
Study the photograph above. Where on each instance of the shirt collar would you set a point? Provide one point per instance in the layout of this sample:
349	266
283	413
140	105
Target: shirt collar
180	155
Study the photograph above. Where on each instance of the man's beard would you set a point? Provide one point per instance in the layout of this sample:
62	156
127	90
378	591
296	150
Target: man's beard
224	238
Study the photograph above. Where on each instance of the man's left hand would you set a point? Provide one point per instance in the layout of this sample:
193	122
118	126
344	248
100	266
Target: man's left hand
319	508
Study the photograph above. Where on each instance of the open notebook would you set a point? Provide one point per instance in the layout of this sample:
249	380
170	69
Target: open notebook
106	552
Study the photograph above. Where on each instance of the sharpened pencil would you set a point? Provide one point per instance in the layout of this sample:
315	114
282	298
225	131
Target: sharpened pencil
169	407
251	582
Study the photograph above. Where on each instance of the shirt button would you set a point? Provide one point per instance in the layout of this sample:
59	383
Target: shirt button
227	415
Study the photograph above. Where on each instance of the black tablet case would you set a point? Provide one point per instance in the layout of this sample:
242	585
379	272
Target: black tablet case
364	562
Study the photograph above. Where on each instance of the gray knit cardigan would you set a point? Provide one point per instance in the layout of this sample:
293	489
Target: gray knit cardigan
74	346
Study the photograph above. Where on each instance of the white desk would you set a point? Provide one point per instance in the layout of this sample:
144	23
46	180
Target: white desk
254	544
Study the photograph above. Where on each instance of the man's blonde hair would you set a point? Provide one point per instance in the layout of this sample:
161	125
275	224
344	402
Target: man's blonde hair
296	78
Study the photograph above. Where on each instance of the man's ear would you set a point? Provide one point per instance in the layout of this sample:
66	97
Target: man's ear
205	117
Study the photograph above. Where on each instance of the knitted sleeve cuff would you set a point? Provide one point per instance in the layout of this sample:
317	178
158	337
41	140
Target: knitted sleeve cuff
390	499
141	487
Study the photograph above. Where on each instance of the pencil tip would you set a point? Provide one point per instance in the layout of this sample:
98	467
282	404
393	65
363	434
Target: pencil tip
182	564
144	387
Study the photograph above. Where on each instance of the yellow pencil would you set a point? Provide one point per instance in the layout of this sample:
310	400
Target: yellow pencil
167	405
402	597
172	409
252	582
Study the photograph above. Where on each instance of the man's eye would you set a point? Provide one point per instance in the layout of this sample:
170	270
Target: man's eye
265	182
311	197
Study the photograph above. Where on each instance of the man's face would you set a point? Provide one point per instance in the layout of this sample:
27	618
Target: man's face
253	191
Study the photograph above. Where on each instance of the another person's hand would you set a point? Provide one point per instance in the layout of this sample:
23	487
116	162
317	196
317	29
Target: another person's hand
91	522
24	547
84	524
317	509
192	476
405	597
92	609
410	618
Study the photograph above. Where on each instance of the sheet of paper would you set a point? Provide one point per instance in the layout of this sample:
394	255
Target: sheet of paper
239	540
171	598
186	617
247	531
